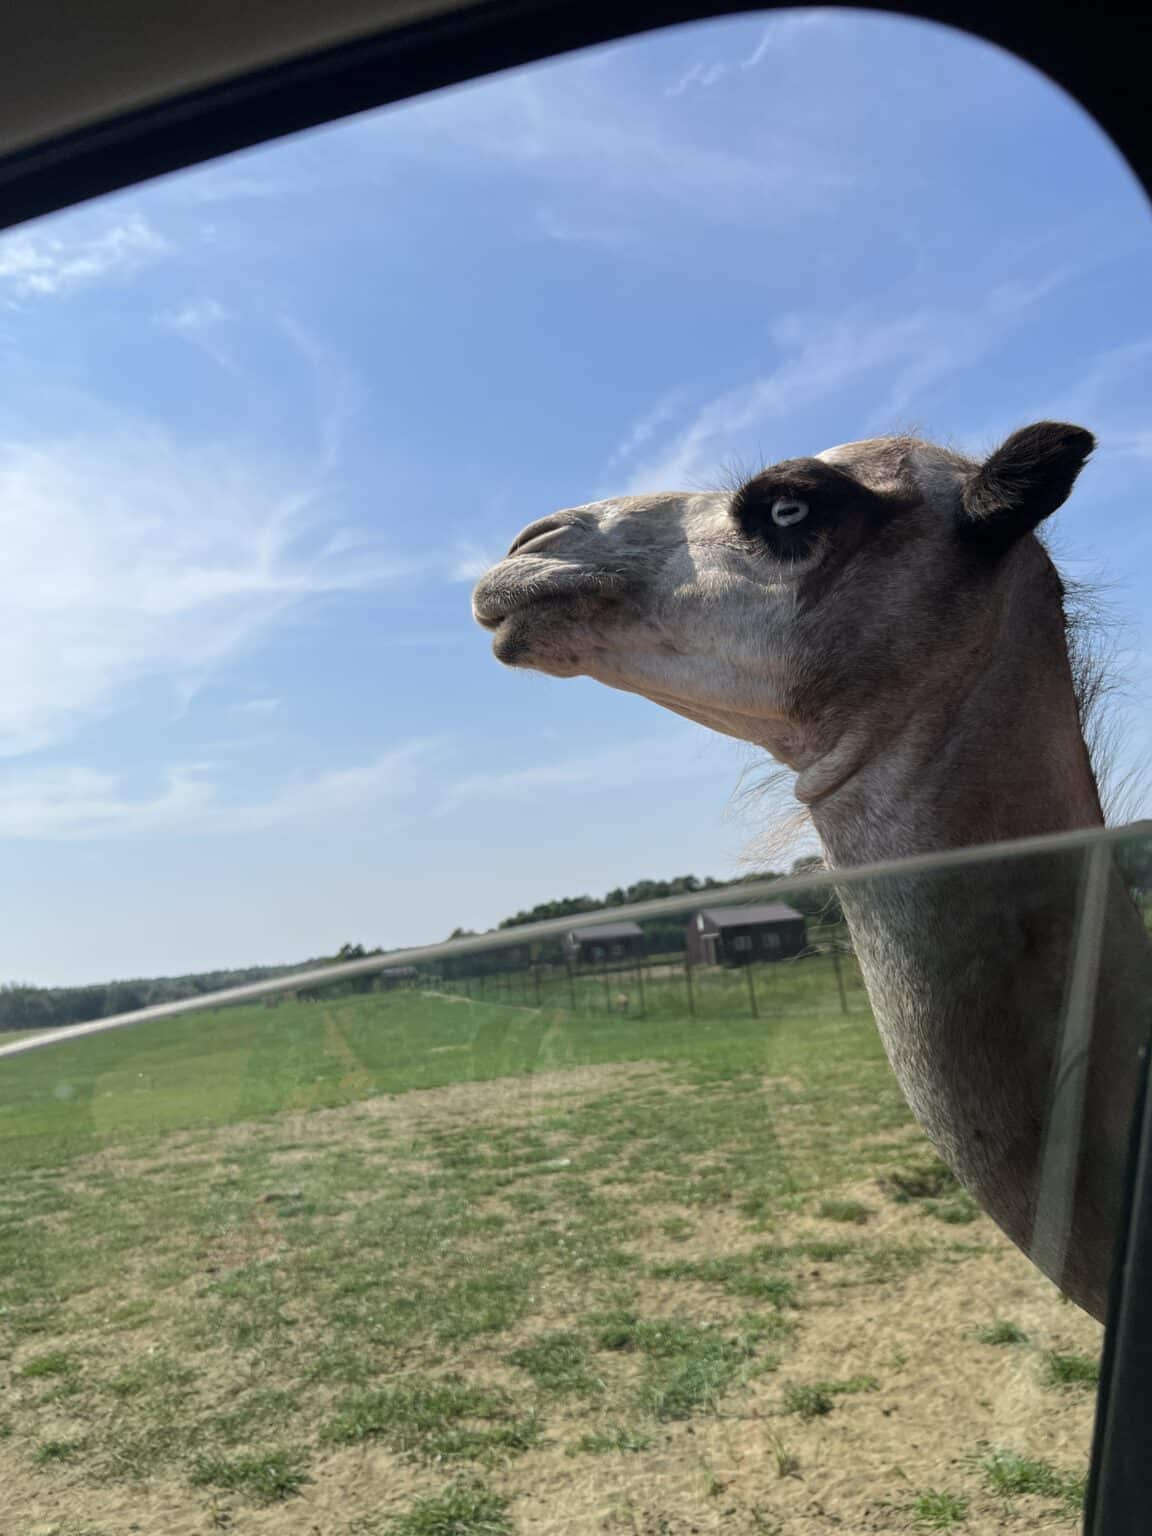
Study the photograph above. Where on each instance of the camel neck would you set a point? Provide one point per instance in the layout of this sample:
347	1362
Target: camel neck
1003	759
968	969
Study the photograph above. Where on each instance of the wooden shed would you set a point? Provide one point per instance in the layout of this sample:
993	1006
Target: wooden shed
741	935
605	942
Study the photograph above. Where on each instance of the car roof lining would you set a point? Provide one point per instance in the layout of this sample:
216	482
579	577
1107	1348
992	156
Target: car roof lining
99	96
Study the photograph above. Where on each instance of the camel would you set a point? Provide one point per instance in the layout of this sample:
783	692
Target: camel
883	620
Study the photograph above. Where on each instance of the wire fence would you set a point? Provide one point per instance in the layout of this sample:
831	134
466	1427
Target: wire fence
824	978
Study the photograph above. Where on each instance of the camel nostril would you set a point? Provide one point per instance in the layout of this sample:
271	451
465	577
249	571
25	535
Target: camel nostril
541	528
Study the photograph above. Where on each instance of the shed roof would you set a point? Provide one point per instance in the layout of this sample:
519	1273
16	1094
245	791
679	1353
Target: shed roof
751	917
607	931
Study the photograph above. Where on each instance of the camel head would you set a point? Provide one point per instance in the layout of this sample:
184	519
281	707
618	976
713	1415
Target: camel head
805	610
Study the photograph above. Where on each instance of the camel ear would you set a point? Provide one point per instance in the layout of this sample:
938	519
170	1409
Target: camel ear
1025	480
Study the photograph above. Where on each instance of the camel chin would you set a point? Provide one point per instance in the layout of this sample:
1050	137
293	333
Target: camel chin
536	639
543	615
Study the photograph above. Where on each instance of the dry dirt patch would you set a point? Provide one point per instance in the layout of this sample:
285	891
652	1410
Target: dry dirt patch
930	1398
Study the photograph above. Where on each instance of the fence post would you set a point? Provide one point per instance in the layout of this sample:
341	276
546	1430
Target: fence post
839	978
607	993
688	987
571	986
752	990
640	987
536	983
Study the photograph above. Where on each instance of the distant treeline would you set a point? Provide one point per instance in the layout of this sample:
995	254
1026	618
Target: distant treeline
622	896
28	1007
820	905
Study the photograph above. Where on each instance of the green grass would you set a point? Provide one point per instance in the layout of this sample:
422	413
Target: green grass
925	1179
1002	1332
851	1386
265	1479
560	1364
1012	1475
677	1228
1071	1370
464	1509
443	1420
58	1363
687	1366
57	1450
808	1402
959	1210
736	1274
936	1511
844	1210
151	1374
816	1399
618	1438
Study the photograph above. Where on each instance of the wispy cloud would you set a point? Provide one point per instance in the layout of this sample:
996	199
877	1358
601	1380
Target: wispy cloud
1130	445
81	804
701	74
600	140
256	707
78	804
1126	368
210	185
204	323
129	557
822	356
781	33
566	230
682	754
40	263
336	388
665	411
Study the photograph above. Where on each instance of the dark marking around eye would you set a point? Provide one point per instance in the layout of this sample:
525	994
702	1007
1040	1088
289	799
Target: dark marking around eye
787	509
779	517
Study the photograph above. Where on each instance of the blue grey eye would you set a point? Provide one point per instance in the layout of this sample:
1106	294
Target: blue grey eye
786	510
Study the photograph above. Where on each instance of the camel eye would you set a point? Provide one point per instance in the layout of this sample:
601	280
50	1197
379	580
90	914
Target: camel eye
780	517
786	511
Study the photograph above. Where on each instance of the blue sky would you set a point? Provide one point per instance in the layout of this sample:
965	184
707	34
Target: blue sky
264	422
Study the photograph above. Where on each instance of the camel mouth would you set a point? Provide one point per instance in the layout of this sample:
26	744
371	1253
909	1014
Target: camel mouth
542	614
511	591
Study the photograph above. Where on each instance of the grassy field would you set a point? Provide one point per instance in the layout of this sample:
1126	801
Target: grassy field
414	1265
